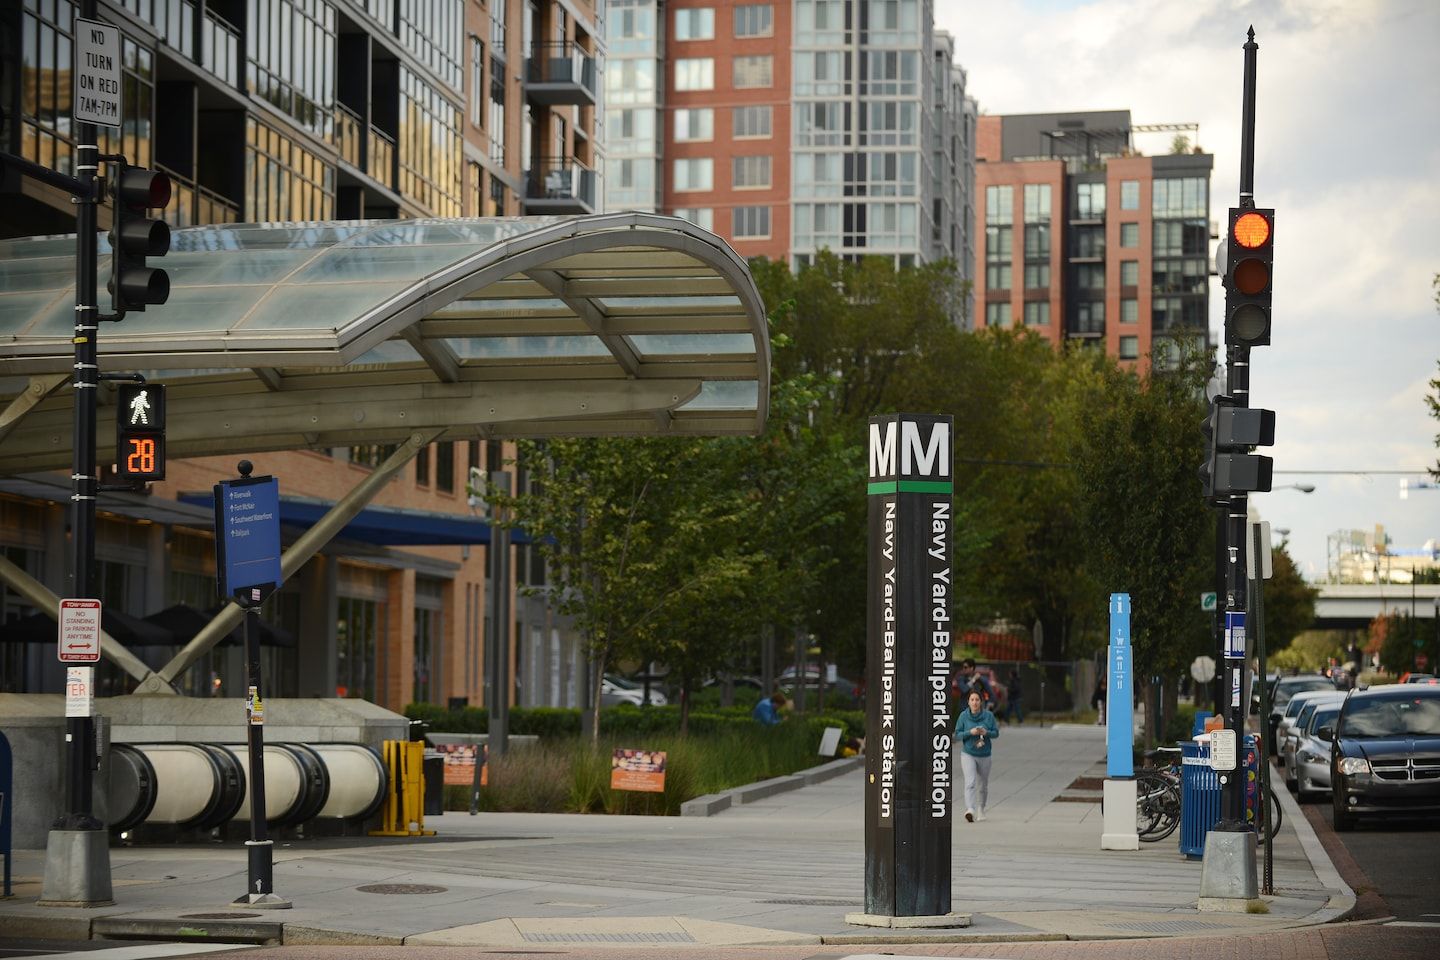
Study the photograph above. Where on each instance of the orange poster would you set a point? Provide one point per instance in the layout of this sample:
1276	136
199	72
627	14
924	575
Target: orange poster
642	770
460	763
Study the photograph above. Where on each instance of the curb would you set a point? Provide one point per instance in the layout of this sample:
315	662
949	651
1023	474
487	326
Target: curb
47	928
189	930
1342	897
713	803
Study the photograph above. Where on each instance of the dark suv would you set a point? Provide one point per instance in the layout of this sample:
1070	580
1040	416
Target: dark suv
1385	753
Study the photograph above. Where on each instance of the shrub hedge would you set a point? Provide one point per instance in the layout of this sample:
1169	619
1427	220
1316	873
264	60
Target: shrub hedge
553	723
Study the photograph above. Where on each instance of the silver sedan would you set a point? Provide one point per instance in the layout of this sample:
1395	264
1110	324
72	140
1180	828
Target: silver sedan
1312	757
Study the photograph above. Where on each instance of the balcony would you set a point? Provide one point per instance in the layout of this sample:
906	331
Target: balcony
194	205
560	73
380	157
347	134
560	185
219	48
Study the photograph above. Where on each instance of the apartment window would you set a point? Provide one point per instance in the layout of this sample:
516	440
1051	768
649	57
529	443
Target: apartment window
1129	273
749	172
1037	202
890	73
703	217
695	24
1089	201
821	124
748	73
496	109
889	123
696	124
817	225
1090	276
1129	310
751	122
694	173
1037	241
429	146
630	124
1037	276
431	29
824	73
1180	238
291	60
1087	242
283	180
1129	194
695	73
997	314
754	20
998	252
630	81
752	222
422	467
1180	197
477	81
999	205
1037	313
1090	316
1129	235
1129	348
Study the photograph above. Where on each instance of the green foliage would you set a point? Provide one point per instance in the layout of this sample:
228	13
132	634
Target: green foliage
571	775
1307	653
560	723
1289	601
1180	723
1405	636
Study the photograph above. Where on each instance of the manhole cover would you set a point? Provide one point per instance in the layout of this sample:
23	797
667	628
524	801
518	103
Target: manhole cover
217	916
401	888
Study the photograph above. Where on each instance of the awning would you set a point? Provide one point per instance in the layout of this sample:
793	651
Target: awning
383	526
309	336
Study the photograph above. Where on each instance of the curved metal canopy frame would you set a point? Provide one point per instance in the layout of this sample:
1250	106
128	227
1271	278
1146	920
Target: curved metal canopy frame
294	336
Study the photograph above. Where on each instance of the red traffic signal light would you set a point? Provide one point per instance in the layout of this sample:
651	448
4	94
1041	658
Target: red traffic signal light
133	237
1250	247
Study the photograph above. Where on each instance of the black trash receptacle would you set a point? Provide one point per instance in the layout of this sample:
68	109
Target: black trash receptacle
434	769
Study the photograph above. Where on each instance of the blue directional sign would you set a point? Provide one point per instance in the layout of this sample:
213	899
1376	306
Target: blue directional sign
1119	699
247	538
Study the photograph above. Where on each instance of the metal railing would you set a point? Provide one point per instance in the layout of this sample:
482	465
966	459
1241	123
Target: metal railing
380	157
219	48
347	134
561	178
560	62
194	205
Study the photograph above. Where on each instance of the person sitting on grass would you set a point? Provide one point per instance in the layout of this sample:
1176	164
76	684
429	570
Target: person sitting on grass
767	711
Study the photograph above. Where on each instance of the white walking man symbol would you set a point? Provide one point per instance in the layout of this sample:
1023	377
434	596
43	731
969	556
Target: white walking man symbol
138	406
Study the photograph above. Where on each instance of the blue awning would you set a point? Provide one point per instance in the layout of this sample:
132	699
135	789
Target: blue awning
383	526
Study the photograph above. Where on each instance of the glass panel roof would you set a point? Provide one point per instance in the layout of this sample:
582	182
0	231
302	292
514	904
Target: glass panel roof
333	306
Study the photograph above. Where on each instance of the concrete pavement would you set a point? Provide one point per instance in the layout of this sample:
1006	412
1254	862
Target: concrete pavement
782	870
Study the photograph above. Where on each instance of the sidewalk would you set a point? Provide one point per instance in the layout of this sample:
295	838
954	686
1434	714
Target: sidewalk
784	870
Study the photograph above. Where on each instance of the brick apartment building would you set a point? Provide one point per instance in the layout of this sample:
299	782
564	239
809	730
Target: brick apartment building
1083	240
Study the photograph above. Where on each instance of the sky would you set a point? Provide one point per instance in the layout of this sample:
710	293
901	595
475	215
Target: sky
1347	151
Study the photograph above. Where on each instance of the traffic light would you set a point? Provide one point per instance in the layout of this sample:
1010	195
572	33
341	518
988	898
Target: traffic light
133	237
1249	256
140	432
1230	432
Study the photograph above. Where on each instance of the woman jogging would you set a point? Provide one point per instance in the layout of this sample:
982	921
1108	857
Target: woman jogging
976	728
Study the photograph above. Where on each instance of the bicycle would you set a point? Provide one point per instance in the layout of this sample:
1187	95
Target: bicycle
1158	803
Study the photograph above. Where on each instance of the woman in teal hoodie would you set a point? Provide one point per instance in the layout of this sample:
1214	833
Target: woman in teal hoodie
976	728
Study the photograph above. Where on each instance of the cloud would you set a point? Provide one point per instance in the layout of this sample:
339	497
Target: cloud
1347	145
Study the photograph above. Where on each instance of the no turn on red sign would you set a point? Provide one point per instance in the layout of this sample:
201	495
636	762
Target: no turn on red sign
79	631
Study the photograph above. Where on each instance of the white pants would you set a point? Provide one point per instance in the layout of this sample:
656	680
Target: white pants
977	780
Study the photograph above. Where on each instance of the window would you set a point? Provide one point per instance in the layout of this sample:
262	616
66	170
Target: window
1180	197
751	222
496	109
1087	242
1129	194
1129	235
1129	348
631	81
1129	273
1037	313
445	466
1037	241
748	73
822	124
999	205
422	467
998	252
284	181
1037	202
695	24
997	314
890	73
823	73
702	217
291	60
695	173
817	225
477	81
754	20
1037	276
818	174
696	73
751	122
429	146
1090	316
1129	310
697	124
750	172
1089	201
889	123
431	29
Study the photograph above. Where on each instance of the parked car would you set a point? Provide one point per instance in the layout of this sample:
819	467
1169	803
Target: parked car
1280	694
1312	756
1285	738
1428	678
615	689
786	682
1385	756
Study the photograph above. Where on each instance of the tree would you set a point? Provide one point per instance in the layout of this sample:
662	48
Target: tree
1289	601
1432	399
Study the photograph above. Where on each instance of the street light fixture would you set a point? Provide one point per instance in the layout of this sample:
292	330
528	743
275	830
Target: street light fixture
1302	487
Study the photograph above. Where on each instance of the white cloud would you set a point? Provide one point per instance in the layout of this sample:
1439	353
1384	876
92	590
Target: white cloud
1347	146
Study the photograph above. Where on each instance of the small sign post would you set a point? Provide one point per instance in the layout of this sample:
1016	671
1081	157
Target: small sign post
247	565
97	73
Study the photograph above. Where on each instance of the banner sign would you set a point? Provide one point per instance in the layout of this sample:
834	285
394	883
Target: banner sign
79	691
247	538
909	775
640	770
1235	634
1119	692
460	763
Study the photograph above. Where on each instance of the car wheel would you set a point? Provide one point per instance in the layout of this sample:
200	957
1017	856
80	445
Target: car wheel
1344	819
